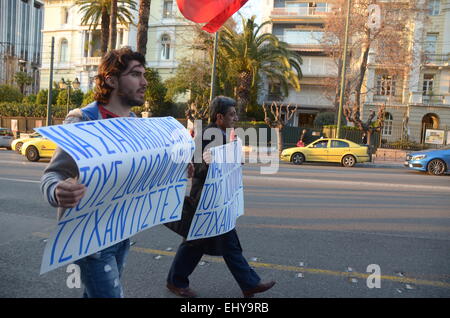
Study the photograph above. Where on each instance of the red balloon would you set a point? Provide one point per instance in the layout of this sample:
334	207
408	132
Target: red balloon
214	12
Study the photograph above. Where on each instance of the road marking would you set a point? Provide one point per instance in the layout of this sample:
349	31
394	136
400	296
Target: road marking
340	183
317	271
20	180
296	269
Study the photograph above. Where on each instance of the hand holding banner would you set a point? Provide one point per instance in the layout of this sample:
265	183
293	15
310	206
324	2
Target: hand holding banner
222	197
134	170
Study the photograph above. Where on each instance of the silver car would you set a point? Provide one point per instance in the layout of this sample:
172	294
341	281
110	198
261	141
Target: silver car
6	137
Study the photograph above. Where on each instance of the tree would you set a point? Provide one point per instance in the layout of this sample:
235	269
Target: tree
192	77
23	80
155	94
368	127
76	98
97	13
88	98
10	94
142	27
252	54
388	40
281	115
113	25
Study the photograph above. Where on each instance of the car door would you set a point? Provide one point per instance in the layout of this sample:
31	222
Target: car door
337	149
318	150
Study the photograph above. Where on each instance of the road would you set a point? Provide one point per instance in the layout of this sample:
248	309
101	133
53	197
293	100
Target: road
315	229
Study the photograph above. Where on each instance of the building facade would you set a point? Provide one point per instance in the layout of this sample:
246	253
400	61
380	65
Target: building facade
417	99
21	40
300	24
77	49
170	38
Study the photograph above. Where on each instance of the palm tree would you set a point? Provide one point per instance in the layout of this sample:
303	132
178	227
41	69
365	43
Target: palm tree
142	28
113	25
97	12
252	54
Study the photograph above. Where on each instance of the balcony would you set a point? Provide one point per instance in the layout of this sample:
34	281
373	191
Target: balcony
437	59
297	12
435	99
93	60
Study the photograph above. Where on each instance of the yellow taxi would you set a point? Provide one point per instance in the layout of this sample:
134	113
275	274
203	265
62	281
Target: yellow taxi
38	148
17	143
342	151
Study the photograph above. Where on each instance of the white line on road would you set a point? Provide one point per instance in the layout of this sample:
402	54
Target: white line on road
20	180
350	183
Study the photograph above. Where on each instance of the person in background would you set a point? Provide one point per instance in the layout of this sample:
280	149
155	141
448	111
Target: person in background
189	253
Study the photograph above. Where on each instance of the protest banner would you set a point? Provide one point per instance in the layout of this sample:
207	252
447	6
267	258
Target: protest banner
222	198
135	173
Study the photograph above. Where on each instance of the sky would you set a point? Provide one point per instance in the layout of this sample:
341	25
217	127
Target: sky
251	8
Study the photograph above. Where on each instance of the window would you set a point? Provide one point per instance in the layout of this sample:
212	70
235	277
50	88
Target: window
427	84
64	51
302	37
430	44
165	47
167	9
321	144
434	7
387	126
385	85
339	144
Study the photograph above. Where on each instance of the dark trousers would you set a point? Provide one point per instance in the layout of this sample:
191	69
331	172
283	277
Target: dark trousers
188	256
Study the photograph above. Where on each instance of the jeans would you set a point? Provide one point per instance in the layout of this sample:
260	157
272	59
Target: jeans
188	256
101	272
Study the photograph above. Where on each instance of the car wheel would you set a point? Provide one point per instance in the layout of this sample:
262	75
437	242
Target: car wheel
436	167
298	158
18	147
32	153
348	161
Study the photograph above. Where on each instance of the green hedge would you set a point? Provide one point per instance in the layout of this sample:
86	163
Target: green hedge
30	110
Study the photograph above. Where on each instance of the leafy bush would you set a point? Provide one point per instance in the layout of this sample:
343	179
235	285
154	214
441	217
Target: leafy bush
88	98
76	98
324	118
405	145
10	94
42	96
29	110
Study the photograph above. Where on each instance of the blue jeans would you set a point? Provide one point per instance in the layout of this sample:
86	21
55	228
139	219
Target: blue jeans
101	272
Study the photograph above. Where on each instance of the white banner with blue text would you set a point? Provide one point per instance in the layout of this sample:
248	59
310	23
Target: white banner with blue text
222	198
135	173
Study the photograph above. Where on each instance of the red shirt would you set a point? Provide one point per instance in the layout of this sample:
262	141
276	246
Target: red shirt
106	113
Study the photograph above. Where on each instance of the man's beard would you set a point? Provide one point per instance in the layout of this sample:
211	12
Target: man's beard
128	100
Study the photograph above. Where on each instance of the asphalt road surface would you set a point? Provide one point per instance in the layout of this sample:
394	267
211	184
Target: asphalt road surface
318	230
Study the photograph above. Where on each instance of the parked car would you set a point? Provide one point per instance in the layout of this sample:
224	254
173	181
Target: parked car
6	137
436	162
344	151
38	148
17	143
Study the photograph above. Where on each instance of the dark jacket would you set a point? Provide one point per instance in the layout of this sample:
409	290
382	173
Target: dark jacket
213	245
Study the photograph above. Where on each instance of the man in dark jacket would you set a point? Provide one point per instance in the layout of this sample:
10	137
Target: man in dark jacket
223	116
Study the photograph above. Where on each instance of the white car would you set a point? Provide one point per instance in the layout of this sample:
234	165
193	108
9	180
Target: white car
6	137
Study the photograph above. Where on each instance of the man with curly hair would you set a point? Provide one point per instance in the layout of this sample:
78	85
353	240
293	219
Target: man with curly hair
120	84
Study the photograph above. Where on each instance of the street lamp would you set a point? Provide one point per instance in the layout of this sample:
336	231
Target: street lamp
68	85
